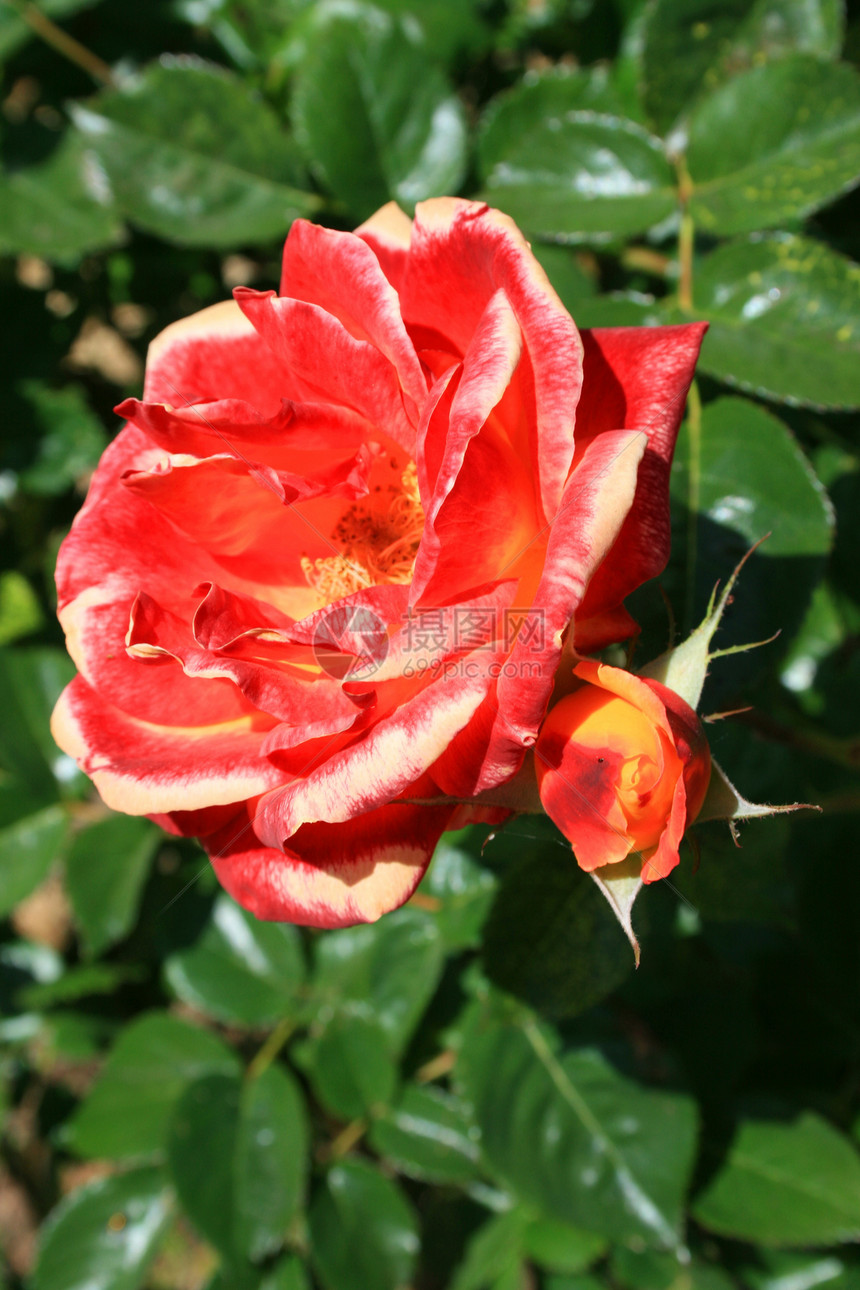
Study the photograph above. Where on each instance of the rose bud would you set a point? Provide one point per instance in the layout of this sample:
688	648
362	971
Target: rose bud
623	767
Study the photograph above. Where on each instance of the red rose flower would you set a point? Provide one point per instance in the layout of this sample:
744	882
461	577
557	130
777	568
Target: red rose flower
623	766
321	581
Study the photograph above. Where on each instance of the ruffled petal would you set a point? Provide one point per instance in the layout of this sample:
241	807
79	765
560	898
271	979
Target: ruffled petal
330	875
329	363
215	354
460	255
340	273
146	769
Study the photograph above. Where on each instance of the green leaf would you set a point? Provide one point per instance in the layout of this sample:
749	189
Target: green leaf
61	208
496	1246
106	868
29	846
569	278
30	684
538	102
238	1157
351	1067
390	968
20	611
618	309
459	889
781	1269
776	492
428	1135
364	1235
193	156
73	438
783	314
79	983
14	31
785	1184
104	1235
653	1270
774	145
560	1247
240	969
548	1117
690	47
551	939
586	176
377	121
288	1274
251	32
154	1060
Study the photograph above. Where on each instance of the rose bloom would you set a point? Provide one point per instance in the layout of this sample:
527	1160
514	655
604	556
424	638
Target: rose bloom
411	439
623	766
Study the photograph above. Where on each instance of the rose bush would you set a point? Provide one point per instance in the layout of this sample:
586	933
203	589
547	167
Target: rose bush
412	432
623	766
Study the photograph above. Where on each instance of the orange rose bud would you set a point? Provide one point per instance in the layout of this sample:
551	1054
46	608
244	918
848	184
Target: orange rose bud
622	766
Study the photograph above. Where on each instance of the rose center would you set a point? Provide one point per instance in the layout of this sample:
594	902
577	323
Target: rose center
378	541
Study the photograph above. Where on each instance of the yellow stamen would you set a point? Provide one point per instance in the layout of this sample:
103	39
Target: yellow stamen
376	546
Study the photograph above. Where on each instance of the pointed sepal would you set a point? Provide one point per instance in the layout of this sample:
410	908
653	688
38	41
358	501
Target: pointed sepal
684	668
724	802
621	884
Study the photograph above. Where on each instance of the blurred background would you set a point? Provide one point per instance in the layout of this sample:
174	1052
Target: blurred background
478	1092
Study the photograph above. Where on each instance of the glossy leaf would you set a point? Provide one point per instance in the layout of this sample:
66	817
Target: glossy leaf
28	846
194	156
30	684
154	1060
390	967
572	1136
785	1184
73	438
783	320
458	890
546	906
560	1247
104	1235
587	176
20	611
690	47
495	1248
288	1274
60	208
238	1157
774	145
428	1135
776	493
540	102
351	1067
239	969
363	1233
106	868
377	121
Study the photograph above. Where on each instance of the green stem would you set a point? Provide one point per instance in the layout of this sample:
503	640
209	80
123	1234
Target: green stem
270	1049
686	240
694	485
63	43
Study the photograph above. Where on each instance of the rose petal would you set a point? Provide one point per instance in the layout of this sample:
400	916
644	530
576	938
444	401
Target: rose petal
329	364
340	274
145	769
330	875
637	378
460	254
